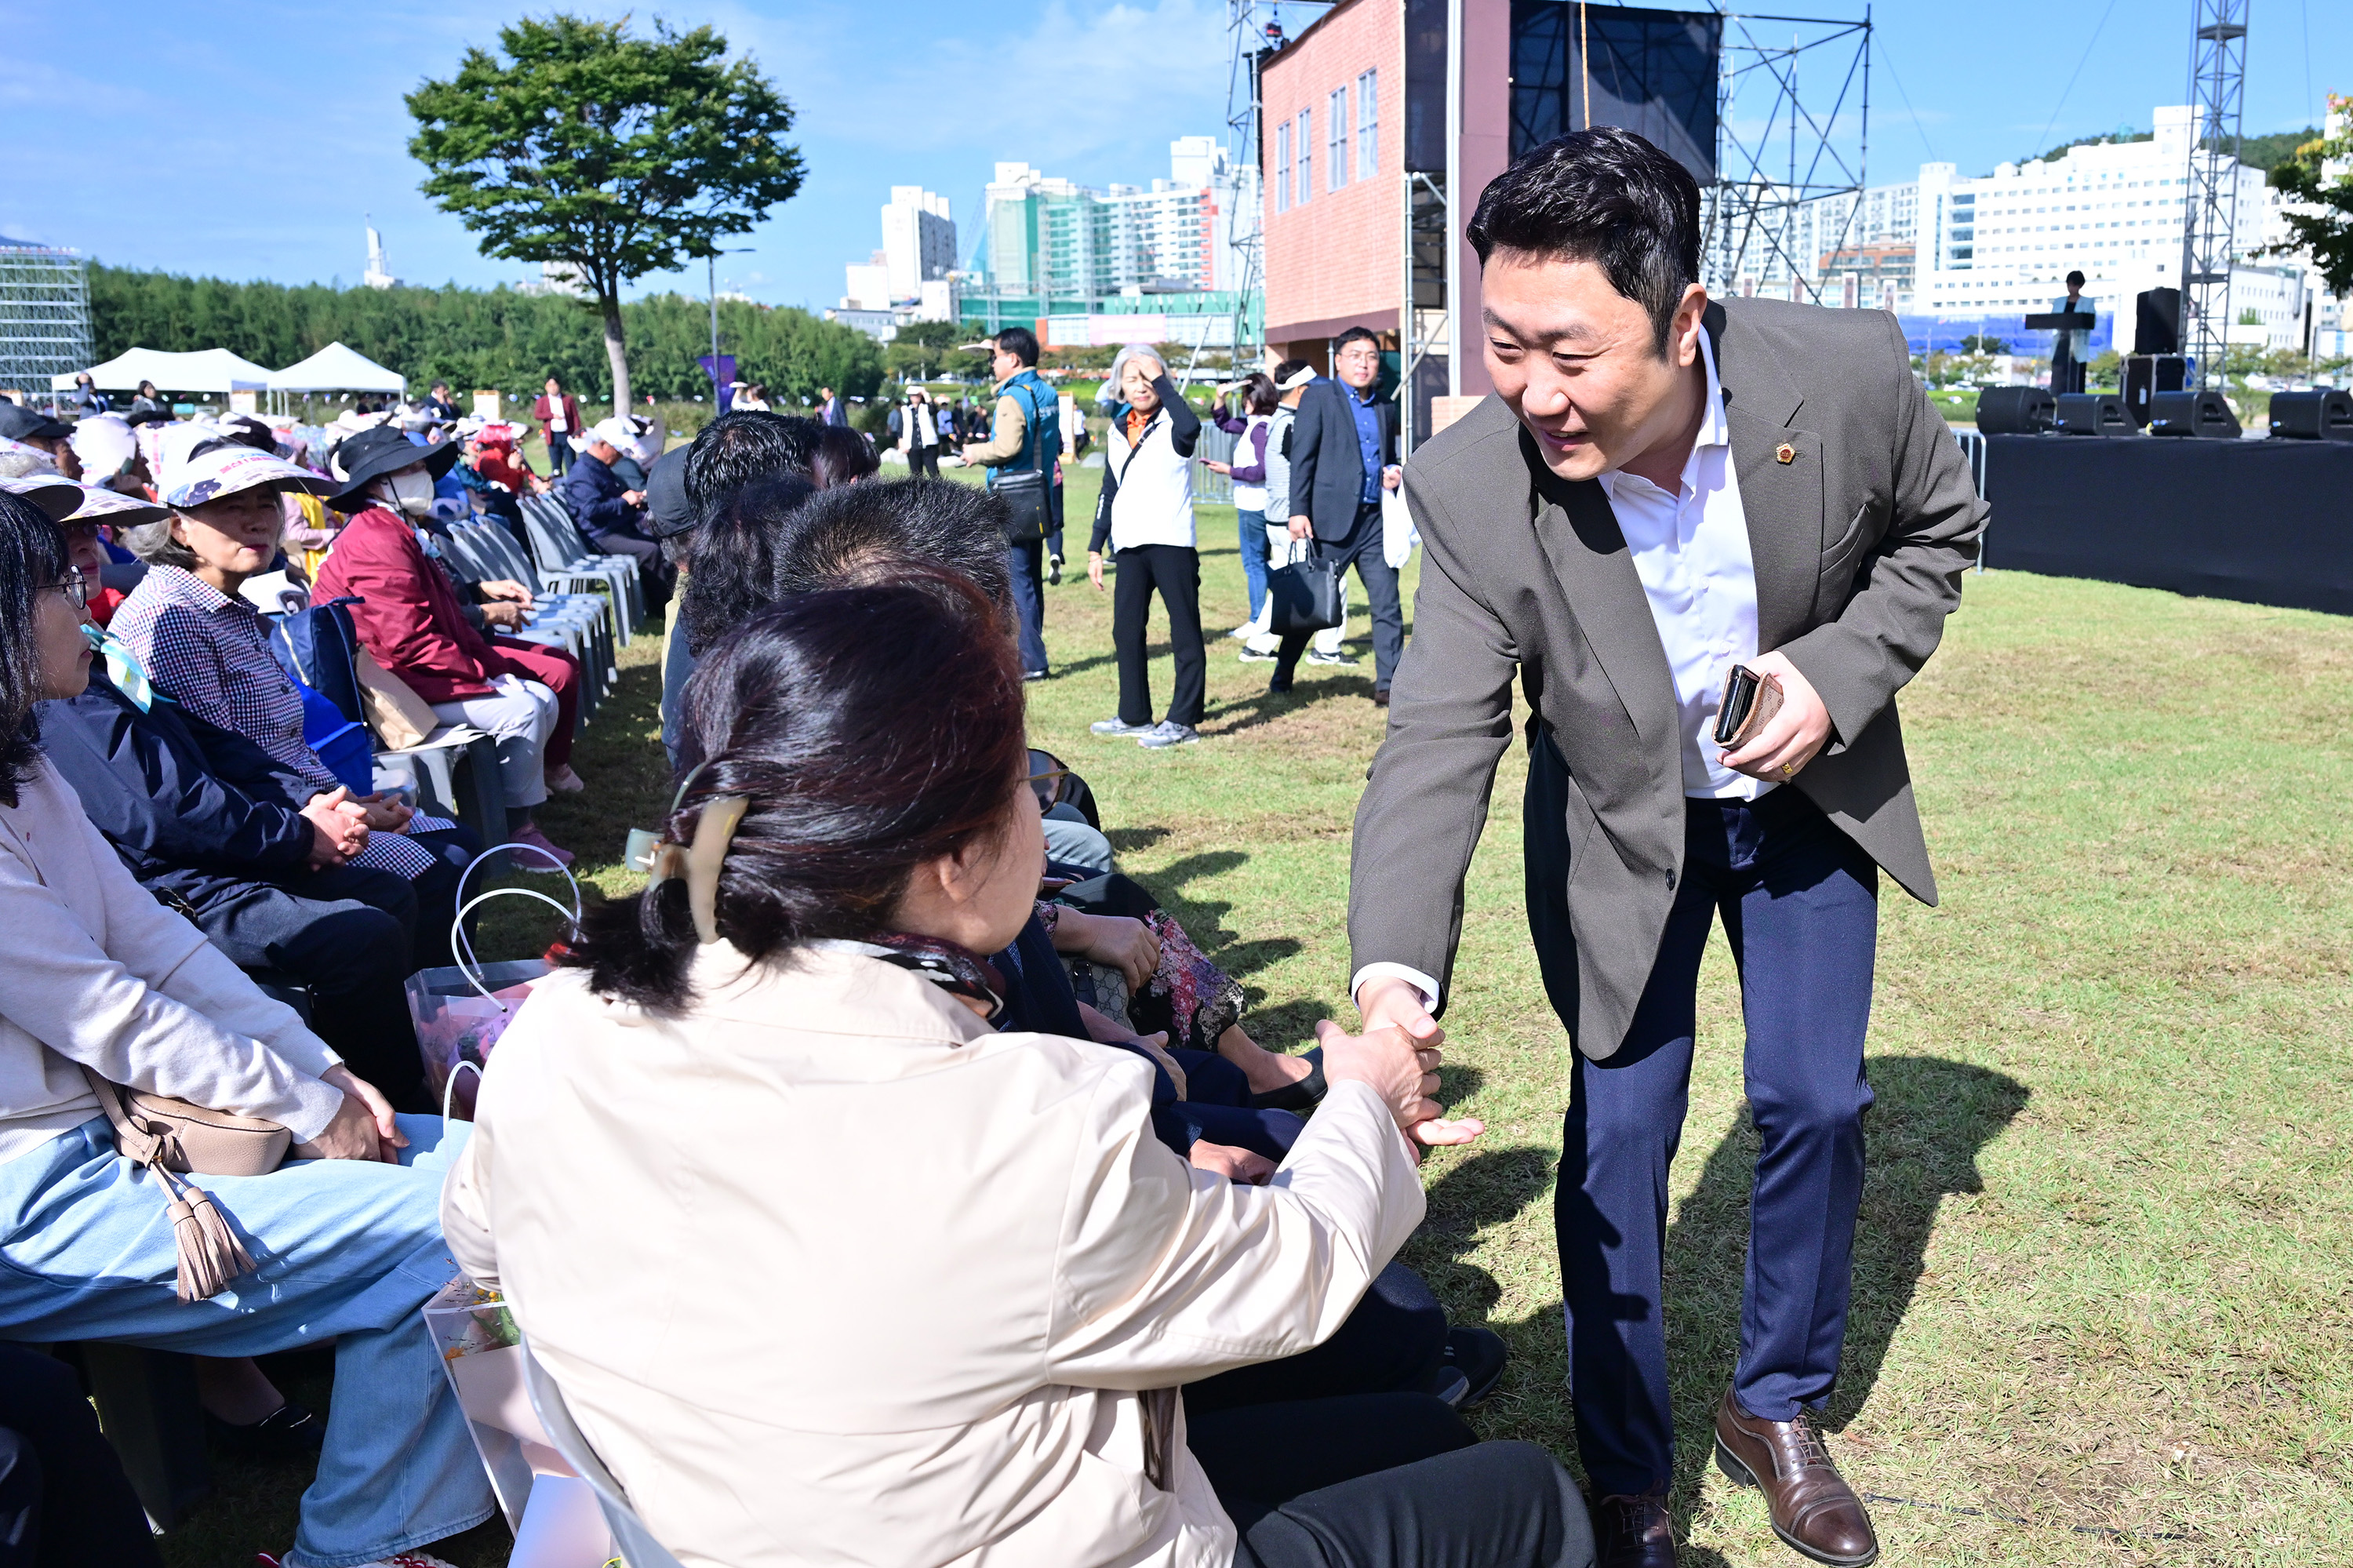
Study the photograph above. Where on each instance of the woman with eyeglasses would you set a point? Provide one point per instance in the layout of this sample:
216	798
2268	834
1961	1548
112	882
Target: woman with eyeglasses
104	985
768	1088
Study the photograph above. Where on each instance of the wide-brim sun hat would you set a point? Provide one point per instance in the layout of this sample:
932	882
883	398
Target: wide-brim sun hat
232	467
364	457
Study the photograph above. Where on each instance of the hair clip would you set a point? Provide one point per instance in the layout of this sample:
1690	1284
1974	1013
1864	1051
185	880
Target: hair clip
698	862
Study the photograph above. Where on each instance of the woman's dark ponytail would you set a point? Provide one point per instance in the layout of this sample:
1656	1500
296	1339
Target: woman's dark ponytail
869	730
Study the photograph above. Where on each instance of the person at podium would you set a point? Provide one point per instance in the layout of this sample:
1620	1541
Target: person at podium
2068	348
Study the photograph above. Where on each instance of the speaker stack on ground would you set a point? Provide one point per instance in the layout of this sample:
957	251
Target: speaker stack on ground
2146	375
2200	416
2094	414
2015	411
2325	414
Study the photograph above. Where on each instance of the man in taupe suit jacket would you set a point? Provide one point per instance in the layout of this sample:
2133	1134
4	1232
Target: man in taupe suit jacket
1665	487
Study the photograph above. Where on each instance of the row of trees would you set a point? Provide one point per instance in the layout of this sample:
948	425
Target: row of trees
481	337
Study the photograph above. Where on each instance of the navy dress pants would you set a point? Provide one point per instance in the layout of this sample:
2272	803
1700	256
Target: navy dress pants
1799	904
1025	563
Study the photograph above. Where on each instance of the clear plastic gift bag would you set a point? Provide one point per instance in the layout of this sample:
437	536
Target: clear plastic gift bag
460	1009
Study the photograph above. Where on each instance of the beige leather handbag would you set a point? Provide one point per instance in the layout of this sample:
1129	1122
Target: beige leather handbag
173	1138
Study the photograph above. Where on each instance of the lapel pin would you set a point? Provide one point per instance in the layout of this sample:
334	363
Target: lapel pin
1785	453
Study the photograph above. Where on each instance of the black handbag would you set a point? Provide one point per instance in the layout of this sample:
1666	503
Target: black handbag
1304	597
1029	492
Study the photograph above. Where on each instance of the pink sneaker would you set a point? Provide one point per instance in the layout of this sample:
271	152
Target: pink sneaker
529	833
564	779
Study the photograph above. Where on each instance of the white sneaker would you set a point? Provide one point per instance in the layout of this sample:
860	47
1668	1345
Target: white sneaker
1342	660
1167	732
397	1560
1119	726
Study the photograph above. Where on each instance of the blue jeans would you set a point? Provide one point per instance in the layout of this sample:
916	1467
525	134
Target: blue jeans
1253	525
347	1250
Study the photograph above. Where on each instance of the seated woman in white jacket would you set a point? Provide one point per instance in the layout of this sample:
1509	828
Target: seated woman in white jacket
100	980
830	1271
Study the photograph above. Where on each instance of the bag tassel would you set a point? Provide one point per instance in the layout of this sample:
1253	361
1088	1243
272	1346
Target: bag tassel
210	1254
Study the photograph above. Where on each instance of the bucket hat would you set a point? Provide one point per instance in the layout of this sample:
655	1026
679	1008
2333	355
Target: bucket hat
364	457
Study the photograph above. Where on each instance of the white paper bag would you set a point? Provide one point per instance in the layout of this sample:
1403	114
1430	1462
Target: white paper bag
1399	535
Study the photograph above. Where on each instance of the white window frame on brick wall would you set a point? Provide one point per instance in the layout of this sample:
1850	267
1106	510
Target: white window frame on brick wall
1335	139
1306	139
1282	167
1368	124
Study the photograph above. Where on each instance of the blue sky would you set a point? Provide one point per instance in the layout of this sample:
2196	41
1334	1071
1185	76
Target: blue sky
248	140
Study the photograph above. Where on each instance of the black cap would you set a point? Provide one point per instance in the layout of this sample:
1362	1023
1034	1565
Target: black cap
668	512
375	452
18	423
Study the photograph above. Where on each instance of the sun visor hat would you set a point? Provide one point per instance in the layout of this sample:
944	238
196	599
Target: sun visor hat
364	457
52	494
103	506
224	469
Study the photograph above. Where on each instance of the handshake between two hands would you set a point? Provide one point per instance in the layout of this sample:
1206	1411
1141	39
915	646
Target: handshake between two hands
1397	1057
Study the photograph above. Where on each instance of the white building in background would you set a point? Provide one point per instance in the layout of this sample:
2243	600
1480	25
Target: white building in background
919	240
379	265
2002	244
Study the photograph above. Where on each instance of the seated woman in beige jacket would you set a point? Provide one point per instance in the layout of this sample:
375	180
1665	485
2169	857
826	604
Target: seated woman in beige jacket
830	1271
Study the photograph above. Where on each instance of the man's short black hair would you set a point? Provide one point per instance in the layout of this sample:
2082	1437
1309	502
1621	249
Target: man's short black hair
1354	334
743	445
872	533
2075	280
1020	342
1604	196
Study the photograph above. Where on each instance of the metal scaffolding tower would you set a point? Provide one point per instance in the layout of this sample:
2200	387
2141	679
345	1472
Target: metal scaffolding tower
2209	234
1778	149
1254	31
43	316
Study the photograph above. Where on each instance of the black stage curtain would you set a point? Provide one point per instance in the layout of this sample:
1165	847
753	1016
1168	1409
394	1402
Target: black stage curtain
2267	522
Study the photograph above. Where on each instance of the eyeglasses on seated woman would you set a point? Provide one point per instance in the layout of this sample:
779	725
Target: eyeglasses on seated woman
831	1270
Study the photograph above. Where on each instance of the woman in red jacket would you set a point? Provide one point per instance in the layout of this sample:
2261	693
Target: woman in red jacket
559	421
524	697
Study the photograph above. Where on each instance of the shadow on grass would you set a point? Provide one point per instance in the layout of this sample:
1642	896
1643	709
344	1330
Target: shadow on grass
1922	1139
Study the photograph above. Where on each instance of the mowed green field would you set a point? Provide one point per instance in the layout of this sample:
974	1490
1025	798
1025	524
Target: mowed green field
2101	1308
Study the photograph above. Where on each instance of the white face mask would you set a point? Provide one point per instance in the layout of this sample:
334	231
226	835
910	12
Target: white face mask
412	490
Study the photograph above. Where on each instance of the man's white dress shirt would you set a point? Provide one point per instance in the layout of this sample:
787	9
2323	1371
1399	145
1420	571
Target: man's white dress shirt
1690	548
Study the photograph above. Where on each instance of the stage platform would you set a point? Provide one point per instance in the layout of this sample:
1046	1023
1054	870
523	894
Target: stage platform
2267	522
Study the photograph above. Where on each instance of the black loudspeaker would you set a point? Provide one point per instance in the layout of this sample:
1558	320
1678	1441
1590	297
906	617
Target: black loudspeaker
2200	414
2094	414
2157	322
2149	373
2324	414
2014	411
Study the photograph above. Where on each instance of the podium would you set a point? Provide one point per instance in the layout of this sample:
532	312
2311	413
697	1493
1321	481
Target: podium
2066	370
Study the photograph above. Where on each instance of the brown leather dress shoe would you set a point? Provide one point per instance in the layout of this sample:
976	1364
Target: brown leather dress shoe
1815	1512
1633	1531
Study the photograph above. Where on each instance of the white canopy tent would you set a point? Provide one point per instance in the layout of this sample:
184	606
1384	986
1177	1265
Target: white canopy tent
335	368
206	370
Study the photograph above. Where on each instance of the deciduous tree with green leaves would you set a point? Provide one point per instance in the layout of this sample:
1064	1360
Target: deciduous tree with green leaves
2307	178
618	157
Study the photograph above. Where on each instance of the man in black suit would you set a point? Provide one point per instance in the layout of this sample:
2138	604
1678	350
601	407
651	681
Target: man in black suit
1343	455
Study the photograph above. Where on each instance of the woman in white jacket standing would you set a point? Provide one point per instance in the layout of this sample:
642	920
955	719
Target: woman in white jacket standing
831	1271
1145	515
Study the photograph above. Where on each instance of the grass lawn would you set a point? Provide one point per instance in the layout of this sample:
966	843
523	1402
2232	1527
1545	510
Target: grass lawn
2102	1310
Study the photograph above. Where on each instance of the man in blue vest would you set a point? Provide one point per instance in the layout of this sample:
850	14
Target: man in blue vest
1027	437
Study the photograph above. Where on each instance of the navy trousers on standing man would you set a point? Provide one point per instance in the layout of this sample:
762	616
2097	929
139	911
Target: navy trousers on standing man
1362	549
1026	564
1799	904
